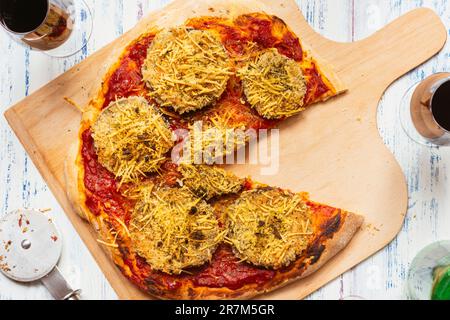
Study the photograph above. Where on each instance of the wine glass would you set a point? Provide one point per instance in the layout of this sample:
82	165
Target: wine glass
422	273
425	111
59	28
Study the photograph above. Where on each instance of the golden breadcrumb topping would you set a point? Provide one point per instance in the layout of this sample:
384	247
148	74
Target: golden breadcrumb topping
217	137
186	69
131	138
209	181
269	227
174	230
274	85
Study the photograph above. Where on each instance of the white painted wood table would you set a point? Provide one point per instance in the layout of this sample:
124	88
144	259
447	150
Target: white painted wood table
427	170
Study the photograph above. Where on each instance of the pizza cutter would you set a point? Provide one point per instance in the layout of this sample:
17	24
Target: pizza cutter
30	248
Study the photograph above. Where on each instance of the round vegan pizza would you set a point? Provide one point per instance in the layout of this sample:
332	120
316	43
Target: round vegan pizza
187	231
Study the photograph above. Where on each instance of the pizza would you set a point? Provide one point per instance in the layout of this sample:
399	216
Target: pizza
180	230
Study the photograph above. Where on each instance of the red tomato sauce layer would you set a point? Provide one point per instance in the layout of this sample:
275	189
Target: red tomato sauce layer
100	184
126	80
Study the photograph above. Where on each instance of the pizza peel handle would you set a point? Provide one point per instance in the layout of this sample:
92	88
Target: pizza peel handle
374	63
32	248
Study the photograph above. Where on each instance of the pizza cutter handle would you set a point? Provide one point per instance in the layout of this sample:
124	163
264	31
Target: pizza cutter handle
59	288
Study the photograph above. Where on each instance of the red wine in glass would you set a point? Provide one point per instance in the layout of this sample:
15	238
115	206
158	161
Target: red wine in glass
48	25
425	111
440	105
23	16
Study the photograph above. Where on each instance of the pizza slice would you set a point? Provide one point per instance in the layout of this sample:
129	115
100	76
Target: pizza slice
237	43
199	232
214	75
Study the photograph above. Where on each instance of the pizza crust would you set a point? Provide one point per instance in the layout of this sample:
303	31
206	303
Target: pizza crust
327	70
340	240
71	177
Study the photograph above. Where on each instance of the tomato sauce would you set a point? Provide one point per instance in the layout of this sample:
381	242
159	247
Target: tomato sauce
101	186
290	47
126	80
225	270
233	39
259	29
316	86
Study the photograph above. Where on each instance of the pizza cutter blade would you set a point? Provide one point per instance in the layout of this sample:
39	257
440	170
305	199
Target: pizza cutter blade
30	247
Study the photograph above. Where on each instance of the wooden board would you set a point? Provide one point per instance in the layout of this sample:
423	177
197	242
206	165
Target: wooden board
333	150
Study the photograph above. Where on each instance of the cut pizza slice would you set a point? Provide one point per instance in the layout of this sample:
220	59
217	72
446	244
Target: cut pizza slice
242	72
199	232
275	71
211	50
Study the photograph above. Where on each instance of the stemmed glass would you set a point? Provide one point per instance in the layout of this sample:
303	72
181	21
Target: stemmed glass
425	111
59	28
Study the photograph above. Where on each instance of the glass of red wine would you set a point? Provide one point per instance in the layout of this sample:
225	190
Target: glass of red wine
59	28
425	111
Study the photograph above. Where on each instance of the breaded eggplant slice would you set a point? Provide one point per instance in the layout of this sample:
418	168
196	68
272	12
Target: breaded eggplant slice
131	138
209	181
274	85
269	227
186	69
173	230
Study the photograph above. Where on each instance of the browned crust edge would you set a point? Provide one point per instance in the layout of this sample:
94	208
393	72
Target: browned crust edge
75	191
71	175
327	70
337	243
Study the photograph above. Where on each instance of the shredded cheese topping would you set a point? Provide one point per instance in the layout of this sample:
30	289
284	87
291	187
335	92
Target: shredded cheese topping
131	138
269	227
274	85
216	138
186	69
174	230
208	181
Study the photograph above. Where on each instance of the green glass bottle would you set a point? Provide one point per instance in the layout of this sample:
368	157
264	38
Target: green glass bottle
429	273
441	284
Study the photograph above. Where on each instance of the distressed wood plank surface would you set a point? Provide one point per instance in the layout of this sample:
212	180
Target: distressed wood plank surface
427	170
